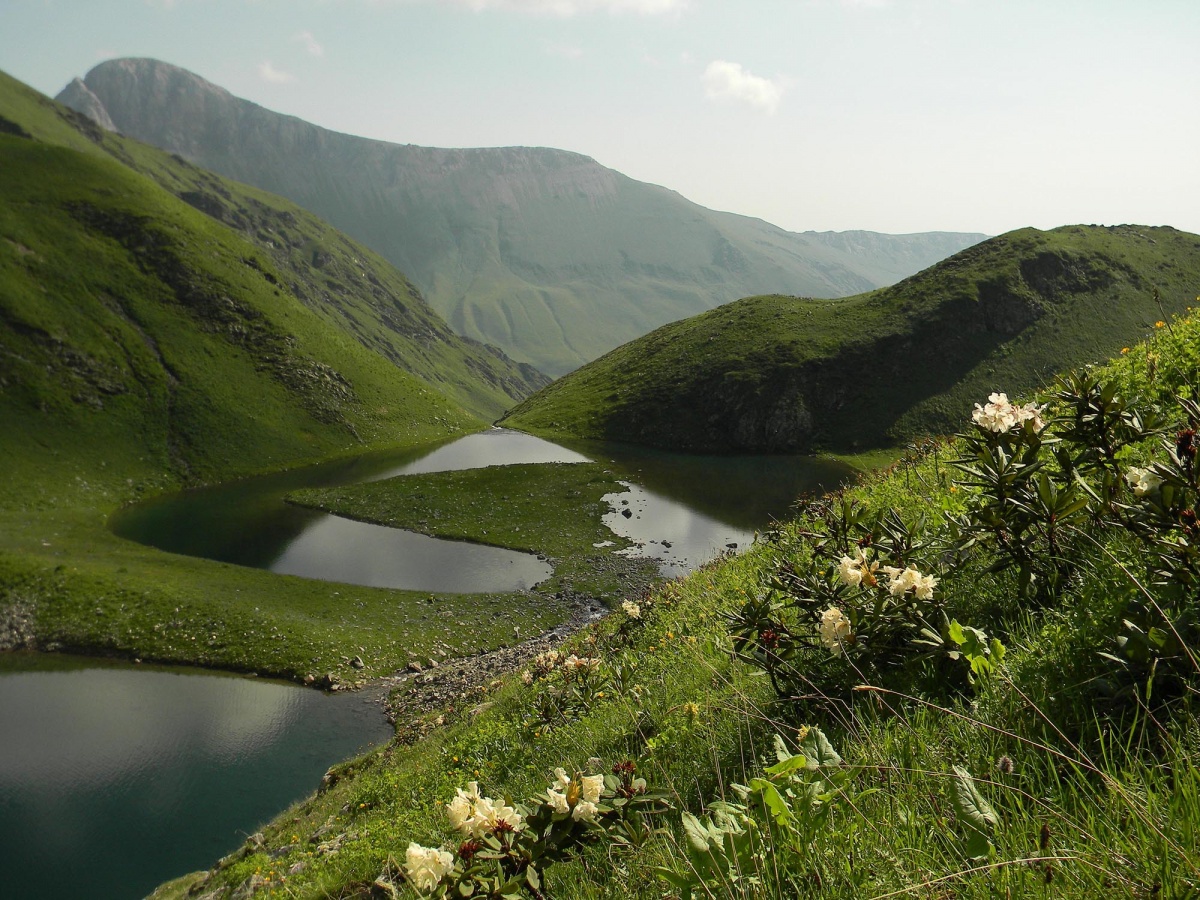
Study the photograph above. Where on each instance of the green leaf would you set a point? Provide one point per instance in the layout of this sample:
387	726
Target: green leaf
971	807
788	766
817	749
531	877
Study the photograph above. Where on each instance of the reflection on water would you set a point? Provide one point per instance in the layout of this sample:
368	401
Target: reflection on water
102	760
661	528
687	510
336	549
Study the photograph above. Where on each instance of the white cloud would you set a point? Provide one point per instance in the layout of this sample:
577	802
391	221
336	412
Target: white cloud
729	81
269	73
567	8
310	43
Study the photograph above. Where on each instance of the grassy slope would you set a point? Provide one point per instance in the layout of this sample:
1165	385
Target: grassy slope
702	721
145	346
351	288
785	373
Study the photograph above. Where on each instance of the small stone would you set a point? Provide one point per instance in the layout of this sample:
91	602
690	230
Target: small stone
358	663
415	666
310	678
627	513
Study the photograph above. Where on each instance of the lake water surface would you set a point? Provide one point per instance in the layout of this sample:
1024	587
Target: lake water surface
117	777
114	778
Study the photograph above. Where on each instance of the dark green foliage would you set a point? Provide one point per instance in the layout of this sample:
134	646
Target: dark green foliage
782	373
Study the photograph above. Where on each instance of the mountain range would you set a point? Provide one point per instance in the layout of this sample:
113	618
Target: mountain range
544	253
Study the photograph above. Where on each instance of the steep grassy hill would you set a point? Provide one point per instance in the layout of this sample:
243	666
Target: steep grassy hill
349	287
146	346
790	373
545	253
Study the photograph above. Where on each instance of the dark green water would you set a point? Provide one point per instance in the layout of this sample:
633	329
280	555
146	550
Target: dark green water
117	777
697	504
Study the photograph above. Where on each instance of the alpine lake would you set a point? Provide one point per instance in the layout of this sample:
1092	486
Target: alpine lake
118	776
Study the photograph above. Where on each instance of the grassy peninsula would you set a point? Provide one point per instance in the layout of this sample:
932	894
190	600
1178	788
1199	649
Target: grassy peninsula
778	373
551	509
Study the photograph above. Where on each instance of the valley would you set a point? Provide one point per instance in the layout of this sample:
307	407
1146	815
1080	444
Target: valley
236	438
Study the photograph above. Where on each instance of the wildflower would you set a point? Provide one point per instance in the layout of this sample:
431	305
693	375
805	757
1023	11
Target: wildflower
924	587
1000	414
578	795
462	807
476	816
585	811
857	570
901	580
527	677
1159	324
1124	349
1005	765
834	630
558	801
426	866
631	609
1142	481
495	815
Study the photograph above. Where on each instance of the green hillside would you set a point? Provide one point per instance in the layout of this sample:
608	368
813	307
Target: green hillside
352	289
788	373
983	736
146	346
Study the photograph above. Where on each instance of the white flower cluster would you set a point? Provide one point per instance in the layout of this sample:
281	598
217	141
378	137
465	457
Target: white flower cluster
1142	481
859	571
579	797
909	579
631	609
1001	415
835	629
426	866
476	816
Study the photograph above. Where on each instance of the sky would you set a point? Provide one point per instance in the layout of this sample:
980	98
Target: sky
887	115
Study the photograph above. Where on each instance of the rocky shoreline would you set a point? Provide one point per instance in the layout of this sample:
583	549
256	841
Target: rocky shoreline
421	698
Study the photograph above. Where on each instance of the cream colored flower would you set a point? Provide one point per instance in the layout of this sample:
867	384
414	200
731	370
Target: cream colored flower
834	629
592	786
1143	481
426	866
490	813
902	581
462	807
558	801
631	609
849	571
924	587
584	811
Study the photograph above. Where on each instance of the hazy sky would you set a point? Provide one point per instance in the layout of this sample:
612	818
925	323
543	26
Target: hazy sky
889	115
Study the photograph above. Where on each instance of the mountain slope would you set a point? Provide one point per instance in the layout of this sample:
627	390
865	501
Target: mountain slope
351	288
543	252
136	327
786	373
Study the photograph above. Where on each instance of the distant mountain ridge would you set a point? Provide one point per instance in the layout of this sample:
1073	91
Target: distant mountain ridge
545	253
